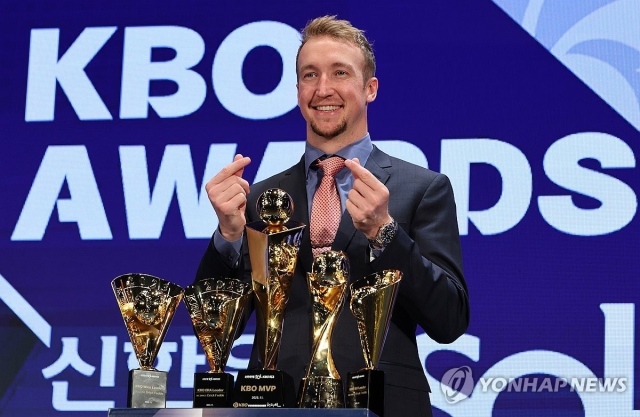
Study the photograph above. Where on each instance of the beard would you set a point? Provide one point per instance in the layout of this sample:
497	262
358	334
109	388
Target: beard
330	134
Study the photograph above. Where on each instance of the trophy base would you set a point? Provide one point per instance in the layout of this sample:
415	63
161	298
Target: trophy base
320	392
147	389
263	389
365	389
212	389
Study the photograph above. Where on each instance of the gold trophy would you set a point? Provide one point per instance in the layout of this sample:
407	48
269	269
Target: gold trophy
322	386
372	301
215	306
147	304
273	249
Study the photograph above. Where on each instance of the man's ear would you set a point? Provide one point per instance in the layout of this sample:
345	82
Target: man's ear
371	89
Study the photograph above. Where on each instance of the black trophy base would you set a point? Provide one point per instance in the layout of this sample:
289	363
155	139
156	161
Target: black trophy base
263	389
147	389
320	392
212	389
365	389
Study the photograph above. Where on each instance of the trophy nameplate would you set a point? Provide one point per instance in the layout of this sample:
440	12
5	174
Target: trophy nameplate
365	389
322	386
147	305
215	306
372	301
273	245
147	389
212	389
263	389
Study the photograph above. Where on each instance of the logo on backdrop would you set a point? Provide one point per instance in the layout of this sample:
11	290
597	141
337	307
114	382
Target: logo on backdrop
457	384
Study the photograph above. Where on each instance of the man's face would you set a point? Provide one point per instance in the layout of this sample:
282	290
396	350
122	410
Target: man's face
332	94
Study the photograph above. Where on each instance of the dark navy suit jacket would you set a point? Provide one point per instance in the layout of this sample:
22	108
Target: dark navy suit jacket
433	293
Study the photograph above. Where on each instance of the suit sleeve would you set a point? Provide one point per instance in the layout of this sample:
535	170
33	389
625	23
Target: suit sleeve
213	266
228	264
427	251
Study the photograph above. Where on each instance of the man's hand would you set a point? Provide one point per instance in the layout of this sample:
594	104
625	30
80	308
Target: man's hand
368	201
227	192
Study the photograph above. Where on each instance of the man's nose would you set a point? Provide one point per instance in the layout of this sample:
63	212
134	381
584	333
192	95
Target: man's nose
324	87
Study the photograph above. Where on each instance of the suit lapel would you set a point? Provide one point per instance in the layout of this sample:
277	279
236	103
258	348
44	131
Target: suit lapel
377	163
294	182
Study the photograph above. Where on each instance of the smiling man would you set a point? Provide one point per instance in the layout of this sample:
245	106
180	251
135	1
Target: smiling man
384	213
335	84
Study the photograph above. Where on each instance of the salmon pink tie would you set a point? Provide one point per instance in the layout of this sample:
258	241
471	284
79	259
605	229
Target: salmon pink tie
325	209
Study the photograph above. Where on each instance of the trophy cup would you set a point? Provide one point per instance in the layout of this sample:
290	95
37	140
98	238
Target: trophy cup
147	304
372	300
215	307
273	248
322	387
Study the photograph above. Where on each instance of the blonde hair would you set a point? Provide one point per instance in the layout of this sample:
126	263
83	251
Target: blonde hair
341	30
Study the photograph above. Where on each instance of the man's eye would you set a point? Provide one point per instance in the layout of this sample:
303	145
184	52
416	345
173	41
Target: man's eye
309	75
341	72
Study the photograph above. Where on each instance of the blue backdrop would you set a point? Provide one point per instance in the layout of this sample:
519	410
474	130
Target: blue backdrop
114	115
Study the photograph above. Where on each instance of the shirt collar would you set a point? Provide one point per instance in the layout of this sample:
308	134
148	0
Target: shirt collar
360	149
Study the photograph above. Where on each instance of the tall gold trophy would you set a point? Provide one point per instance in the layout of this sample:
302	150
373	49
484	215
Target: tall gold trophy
147	304
273	249
215	306
372	301
322	387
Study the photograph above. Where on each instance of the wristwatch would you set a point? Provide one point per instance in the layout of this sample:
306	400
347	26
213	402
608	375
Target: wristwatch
385	235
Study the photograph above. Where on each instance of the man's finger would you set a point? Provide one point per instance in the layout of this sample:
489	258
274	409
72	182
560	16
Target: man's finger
239	172
347	162
230	187
230	181
234	168
238	201
353	210
238	164
357	199
365	190
360	172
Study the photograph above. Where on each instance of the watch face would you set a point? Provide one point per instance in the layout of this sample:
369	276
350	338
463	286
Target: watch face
386	234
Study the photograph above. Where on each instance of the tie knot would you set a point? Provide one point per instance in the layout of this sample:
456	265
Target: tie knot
331	166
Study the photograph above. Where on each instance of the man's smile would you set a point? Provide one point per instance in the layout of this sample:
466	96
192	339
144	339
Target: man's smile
326	108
